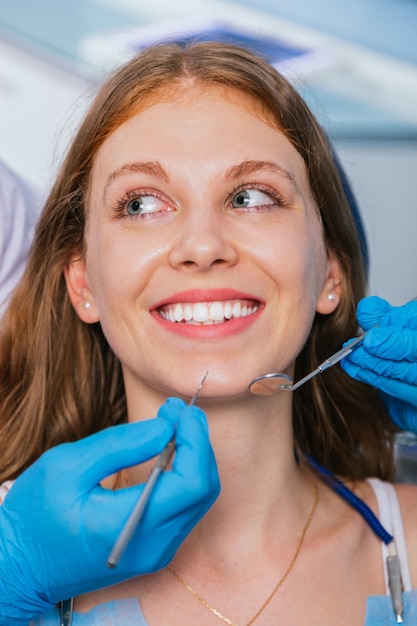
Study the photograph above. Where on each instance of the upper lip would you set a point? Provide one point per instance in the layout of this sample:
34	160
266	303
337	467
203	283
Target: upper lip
207	295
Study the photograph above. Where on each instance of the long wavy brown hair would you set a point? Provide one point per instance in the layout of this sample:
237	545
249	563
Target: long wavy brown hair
59	379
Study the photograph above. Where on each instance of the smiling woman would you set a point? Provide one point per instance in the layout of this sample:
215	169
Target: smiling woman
180	218
199	224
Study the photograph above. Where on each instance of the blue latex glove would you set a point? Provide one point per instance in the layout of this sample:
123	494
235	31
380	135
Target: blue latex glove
387	358
58	525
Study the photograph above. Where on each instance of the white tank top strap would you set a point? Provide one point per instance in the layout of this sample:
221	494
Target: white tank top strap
391	519
4	489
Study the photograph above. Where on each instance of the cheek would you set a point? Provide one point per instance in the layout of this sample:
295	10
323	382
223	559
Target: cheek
119	265
108	270
301	269
299	256
319	259
315	272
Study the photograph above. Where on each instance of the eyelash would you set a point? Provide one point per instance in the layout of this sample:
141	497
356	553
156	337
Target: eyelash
120	207
272	193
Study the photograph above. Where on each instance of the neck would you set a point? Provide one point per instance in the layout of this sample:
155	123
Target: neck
260	480
252	439
254	448
250	528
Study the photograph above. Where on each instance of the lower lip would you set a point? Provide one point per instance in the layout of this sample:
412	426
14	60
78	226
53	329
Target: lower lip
209	331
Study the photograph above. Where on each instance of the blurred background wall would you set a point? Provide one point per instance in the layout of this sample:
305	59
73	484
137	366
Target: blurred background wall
355	63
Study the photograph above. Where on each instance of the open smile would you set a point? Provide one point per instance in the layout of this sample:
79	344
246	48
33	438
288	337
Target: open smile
207	313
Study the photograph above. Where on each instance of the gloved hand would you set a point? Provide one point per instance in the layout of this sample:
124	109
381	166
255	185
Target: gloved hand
387	357
58	525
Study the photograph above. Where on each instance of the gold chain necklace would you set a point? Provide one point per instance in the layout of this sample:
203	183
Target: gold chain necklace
282	579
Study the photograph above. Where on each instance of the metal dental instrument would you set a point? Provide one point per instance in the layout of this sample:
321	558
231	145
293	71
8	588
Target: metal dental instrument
66	610
270	384
138	510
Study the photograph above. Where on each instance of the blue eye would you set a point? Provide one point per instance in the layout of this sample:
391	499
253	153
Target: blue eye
143	204
134	207
251	198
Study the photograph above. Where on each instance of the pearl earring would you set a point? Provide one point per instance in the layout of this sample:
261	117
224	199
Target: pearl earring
331	297
86	305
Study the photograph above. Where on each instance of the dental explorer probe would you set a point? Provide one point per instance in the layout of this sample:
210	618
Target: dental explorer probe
139	508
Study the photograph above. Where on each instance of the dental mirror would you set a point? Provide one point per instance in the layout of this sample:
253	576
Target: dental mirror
271	384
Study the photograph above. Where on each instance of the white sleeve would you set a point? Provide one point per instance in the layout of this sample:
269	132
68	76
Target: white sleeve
19	208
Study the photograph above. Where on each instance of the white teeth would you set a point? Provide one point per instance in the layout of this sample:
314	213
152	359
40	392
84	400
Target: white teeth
178	314
188	312
228	310
200	312
236	309
207	313
216	312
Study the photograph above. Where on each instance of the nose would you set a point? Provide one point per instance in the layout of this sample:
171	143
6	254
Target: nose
203	241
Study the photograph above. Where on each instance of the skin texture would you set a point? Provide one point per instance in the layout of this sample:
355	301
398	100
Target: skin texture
193	239
191	159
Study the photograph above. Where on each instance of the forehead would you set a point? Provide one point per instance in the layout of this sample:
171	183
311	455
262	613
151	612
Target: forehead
184	92
193	125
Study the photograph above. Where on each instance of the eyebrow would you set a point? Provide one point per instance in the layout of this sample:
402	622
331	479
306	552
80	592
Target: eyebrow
249	167
152	168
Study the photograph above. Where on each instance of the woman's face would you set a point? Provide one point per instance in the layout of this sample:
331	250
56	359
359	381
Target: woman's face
204	247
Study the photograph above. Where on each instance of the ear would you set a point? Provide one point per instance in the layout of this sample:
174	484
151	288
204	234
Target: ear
331	293
79	291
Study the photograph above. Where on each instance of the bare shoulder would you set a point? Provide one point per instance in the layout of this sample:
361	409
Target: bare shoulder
407	496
